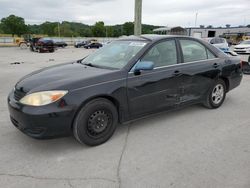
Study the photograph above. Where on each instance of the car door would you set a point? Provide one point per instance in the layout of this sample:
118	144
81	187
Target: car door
156	89
199	69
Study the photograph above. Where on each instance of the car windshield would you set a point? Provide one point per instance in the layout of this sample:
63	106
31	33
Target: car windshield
245	42
114	55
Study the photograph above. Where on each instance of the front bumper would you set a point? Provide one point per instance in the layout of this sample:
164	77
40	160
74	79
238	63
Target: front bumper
41	122
242	50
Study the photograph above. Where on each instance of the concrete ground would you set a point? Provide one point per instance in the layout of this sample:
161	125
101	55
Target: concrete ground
190	148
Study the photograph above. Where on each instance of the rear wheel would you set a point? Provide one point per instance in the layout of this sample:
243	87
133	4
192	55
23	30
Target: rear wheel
96	122
216	95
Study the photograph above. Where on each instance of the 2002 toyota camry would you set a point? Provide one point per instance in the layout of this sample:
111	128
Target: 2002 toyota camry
125	80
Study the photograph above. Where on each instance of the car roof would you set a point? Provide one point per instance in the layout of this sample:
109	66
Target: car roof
151	37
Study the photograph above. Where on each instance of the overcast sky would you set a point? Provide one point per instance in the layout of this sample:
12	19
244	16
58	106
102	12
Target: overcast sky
156	12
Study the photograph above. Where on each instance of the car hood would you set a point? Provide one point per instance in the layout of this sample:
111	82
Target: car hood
68	76
242	46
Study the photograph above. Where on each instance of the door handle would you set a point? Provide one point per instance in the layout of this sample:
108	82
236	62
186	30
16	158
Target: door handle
216	65
177	73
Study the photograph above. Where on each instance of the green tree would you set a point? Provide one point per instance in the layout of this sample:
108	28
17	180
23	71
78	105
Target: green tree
48	28
99	30
66	30
110	31
13	25
1	30
128	28
86	32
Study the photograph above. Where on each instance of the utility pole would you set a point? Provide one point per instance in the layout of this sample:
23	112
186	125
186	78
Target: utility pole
196	16
138	13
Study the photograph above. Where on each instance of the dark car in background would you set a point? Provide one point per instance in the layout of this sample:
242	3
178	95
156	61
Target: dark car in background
125	80
42	45
83	43
93	45
60	44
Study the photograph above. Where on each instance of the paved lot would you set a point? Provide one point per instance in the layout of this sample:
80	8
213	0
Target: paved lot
190	148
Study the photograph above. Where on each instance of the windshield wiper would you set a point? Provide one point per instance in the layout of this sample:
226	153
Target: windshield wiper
98	66
90	65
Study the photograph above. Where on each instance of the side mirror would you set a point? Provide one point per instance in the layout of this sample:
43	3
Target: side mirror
144	65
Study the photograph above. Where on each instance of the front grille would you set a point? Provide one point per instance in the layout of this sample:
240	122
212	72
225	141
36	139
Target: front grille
18	94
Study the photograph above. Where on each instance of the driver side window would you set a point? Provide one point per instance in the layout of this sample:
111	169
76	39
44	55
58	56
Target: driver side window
162	54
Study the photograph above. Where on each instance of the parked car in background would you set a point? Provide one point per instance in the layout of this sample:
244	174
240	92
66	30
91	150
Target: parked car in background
60	44
83	43
80	44
219	43
42	45
123	81
93	44
243	47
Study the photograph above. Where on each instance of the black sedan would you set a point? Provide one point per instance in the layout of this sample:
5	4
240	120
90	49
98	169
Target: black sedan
60	44
83	43
127	79
93	45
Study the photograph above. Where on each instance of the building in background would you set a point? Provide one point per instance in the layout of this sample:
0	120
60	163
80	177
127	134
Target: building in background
171	31
232	34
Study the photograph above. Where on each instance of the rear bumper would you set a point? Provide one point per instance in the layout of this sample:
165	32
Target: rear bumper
40	122
235	80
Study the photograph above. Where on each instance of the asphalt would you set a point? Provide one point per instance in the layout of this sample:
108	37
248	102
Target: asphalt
189	148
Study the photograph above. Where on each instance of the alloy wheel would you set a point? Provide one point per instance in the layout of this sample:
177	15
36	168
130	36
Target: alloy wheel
218	94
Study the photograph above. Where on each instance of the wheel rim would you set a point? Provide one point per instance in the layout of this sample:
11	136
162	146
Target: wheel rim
218	94
98	123
23	46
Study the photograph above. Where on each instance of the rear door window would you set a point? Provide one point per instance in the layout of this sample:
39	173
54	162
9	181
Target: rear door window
194	51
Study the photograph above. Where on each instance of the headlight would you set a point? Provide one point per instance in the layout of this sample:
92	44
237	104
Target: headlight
42	98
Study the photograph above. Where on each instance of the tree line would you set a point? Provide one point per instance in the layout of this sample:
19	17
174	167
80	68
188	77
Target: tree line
15	25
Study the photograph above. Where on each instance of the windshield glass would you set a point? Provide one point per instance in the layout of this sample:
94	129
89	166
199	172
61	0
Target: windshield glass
245	42
114	55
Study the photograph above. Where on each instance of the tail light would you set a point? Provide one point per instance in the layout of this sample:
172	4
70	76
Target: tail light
241	64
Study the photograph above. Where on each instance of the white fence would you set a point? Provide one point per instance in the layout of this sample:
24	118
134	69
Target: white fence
7	40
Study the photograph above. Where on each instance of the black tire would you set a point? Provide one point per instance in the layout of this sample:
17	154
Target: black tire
216	95
32	49
96	122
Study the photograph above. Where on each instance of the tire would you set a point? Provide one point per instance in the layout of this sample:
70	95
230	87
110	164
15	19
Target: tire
216	96
23	45
96	122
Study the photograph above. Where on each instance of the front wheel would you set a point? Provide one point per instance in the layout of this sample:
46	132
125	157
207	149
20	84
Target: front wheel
95	122
23	45
216	95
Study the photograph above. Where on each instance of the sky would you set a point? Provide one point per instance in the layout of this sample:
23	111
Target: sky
156	12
